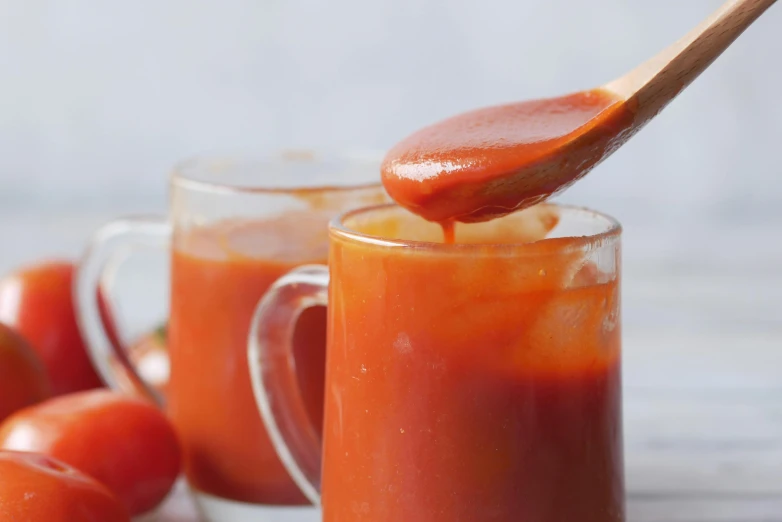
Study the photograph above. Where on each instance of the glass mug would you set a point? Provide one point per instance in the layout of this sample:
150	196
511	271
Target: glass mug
476	381
235	226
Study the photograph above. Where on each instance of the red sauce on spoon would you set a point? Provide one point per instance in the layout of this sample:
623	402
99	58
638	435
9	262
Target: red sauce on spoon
490	162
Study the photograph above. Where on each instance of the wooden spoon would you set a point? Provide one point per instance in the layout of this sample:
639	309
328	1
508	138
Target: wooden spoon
493	161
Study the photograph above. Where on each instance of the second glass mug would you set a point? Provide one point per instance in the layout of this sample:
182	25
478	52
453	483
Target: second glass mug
234	227
477	381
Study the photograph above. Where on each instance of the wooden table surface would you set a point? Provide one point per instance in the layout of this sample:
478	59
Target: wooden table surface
702	335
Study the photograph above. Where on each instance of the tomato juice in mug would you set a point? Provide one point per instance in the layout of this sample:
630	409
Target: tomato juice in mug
475	381
235	226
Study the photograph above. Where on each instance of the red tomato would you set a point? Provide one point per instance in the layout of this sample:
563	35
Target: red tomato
36	488
38	303
23	379
123	442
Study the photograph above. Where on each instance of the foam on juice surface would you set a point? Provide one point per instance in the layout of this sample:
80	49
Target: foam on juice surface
294	237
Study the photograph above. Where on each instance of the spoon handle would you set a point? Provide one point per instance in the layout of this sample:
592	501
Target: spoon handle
659	80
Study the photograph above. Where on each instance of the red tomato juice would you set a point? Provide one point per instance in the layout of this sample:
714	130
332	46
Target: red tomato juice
482	387
219	273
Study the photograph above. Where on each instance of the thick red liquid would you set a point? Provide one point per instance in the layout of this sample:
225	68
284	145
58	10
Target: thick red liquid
480	388
218	276
492	161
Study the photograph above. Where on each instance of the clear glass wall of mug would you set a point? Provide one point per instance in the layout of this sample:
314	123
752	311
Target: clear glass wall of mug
234	227
471	381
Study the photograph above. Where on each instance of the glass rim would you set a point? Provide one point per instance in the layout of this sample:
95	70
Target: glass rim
560	244
193	173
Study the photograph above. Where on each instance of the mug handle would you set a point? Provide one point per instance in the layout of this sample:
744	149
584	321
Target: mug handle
273	373
107	249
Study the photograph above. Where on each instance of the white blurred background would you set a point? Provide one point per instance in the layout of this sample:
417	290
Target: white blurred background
99	99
